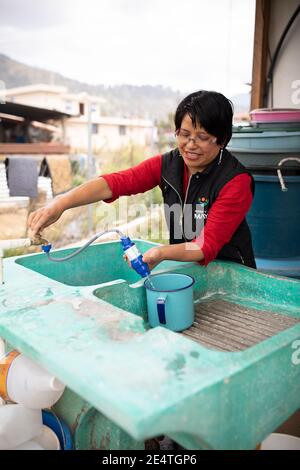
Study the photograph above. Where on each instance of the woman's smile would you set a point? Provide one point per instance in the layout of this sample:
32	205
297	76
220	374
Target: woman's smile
192	155
197	147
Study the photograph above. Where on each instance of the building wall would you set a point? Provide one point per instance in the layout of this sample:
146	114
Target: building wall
286	82
108	137
108	132
40	99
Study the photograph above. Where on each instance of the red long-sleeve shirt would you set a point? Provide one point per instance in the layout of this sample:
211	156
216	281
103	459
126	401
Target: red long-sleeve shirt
224	216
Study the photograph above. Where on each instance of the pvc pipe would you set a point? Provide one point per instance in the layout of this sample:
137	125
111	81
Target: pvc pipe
16	243
2	353
1	267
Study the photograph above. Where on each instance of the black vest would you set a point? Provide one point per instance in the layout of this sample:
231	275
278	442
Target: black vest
186	217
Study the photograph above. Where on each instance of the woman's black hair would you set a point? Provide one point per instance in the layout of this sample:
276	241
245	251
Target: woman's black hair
209	109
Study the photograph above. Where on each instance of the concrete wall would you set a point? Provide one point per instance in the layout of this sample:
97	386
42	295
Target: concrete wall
40	99
75	130
108	136
286	83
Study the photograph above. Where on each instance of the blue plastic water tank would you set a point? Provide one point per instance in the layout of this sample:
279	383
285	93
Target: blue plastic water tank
250	138
274	217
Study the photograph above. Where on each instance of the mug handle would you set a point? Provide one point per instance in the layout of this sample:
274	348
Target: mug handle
161	312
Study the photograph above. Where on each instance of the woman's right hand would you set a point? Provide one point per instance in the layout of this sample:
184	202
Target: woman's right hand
42	218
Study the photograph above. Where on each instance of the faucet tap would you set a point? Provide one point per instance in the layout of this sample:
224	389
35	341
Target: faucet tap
18	243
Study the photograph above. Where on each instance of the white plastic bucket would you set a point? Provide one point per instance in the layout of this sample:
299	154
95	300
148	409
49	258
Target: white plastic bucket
18	424
26	382
47	440
278	441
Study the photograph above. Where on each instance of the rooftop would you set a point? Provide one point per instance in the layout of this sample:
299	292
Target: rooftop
31	112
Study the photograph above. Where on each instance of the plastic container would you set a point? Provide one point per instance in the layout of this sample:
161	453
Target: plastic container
18	424
289	267
170	301
274	217
275	115
47	440
23	381
263	159
59	427
262	141
29	445
278	441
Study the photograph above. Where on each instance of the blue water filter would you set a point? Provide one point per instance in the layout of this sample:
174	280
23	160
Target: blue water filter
135	257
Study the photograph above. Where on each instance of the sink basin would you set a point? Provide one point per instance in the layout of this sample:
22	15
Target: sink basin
98	264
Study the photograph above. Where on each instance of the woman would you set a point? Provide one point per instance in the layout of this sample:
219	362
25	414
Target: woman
206	191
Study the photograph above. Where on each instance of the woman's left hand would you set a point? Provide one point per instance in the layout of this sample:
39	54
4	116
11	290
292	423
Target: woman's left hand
153	257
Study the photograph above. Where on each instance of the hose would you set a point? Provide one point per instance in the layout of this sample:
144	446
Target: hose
75	253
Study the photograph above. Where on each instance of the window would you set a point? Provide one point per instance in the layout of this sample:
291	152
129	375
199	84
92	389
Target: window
68	106
94	128
122	130
81	108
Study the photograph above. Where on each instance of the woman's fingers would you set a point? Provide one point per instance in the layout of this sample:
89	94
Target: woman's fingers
34	223
152	257
127	260
37	221
43	217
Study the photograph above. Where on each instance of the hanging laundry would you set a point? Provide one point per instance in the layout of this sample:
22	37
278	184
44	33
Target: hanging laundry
58	167
22	176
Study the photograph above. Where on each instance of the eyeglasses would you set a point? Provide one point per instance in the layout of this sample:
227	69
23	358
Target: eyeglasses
184	137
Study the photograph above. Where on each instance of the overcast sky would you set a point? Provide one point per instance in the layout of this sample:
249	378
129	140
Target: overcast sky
186	45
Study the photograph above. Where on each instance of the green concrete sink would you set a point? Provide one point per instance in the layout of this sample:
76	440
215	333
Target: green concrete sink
87	324
89	267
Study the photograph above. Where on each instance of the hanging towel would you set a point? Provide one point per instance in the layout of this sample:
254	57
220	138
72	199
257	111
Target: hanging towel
60	171
23	176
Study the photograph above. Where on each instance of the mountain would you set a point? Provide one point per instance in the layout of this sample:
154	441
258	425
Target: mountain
241	102
152	102
146	101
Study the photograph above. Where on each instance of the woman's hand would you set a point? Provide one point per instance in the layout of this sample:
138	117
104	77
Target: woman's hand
153	257
44	217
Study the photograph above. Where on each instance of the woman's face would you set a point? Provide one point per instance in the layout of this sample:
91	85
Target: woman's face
197	147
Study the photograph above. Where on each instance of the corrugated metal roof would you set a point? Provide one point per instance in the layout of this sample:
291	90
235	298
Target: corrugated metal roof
31	112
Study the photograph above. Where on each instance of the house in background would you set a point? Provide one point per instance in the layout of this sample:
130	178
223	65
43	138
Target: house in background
34	162
28	129
108	133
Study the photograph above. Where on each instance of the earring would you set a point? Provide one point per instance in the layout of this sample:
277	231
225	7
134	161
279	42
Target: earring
221	155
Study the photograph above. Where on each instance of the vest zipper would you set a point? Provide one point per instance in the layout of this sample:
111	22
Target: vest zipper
240	254
186	194
180	202
184	203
